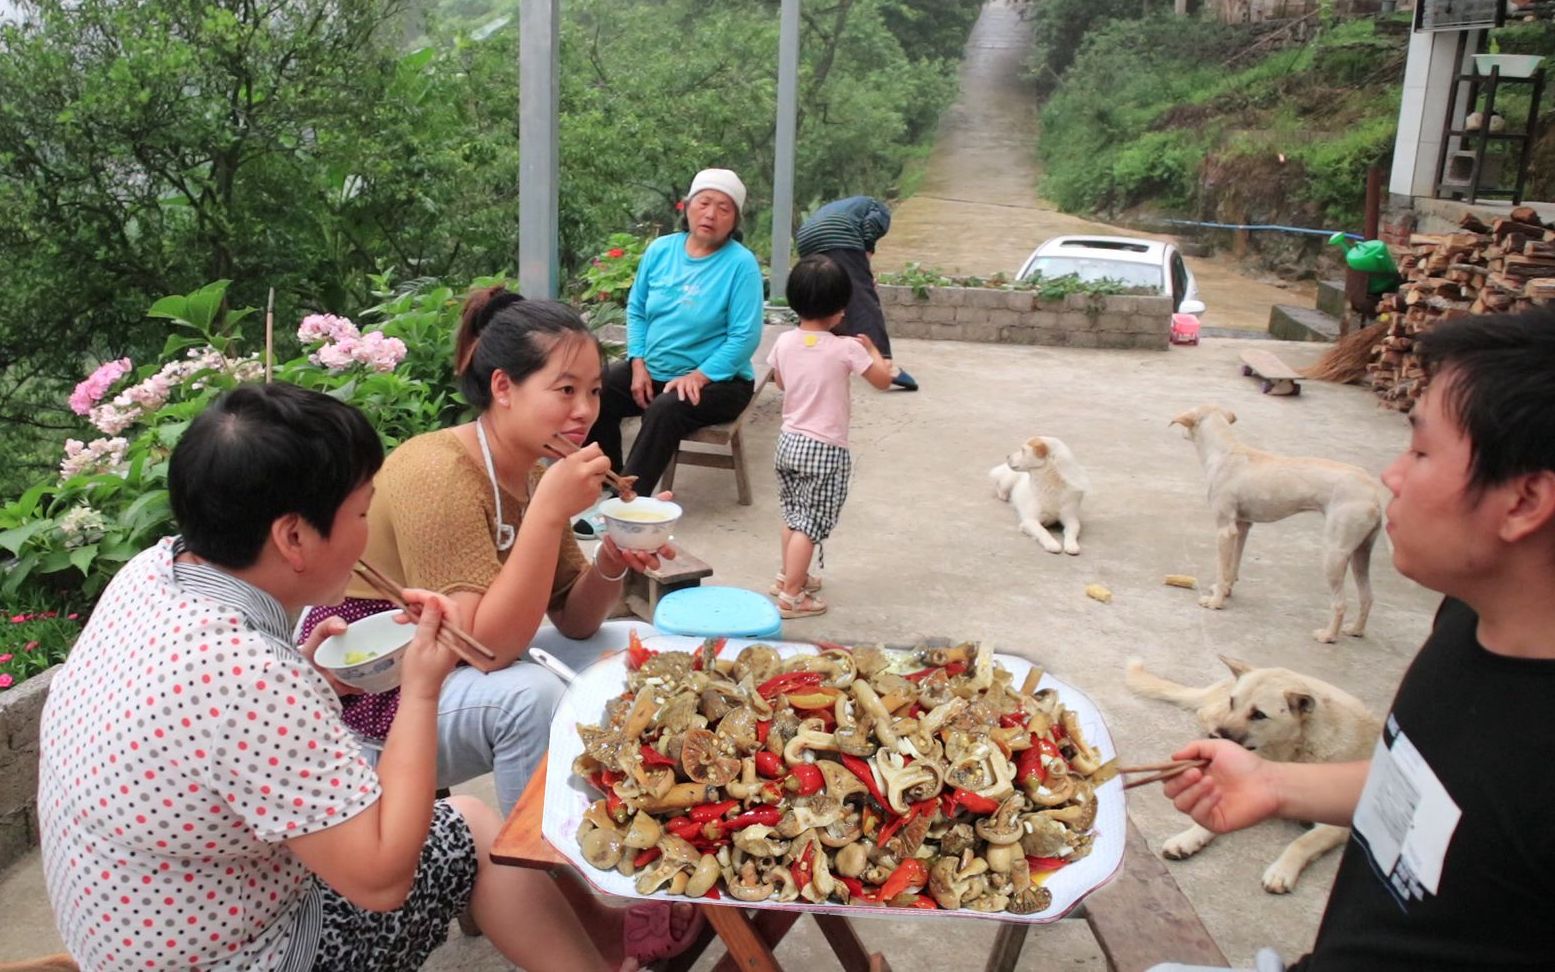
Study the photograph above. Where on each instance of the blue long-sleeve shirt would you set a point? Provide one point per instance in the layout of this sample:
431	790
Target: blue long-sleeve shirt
689	313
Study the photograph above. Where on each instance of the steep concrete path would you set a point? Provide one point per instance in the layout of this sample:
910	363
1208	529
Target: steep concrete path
977	210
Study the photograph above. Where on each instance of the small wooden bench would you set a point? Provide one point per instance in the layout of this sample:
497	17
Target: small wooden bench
643	591
1278	377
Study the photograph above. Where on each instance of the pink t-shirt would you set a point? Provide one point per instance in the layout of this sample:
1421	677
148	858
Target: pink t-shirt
815	367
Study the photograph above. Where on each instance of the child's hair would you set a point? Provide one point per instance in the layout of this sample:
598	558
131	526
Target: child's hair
1500	387
500	330
818	288
259	452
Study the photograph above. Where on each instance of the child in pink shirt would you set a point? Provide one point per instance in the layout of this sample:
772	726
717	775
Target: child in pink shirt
812	366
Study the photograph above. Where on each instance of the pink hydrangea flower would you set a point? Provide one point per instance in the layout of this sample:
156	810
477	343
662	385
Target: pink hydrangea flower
6	681
5	658
92	390
98	456
29	646
326	327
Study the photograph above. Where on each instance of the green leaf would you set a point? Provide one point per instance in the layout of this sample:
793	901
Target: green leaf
13	539
174	308
169	433
81	558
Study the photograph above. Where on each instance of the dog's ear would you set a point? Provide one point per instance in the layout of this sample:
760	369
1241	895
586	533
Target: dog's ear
1237	666
1187	419
1300	702
1038	447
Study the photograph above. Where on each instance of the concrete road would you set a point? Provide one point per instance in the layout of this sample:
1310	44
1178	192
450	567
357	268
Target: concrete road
977	210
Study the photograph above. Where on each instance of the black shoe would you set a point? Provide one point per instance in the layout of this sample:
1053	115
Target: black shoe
583	530
904	381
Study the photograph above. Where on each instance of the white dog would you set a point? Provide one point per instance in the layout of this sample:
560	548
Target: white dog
1046	485
1248	486
1282	716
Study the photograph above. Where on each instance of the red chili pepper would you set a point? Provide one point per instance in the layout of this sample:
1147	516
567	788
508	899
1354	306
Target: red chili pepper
833	646
771	765
921	901
789	682
712	893
759	814
908	874
1059	732
717	644
915	711
859	767
652	757
612	777
947	804
951	671
763	730
1030	767
855	888
975	803
805	779
802	866
615	806
597	780
684	827
891	827
1012	719
712	811
636	654
646	857
1045	863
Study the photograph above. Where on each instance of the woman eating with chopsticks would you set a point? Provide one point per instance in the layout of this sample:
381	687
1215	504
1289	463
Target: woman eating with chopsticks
469	512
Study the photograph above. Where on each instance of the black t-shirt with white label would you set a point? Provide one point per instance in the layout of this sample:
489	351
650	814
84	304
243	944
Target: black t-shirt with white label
1451	864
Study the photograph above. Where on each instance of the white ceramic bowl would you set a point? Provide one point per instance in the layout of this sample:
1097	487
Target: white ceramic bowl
643	524
1512	65
378	634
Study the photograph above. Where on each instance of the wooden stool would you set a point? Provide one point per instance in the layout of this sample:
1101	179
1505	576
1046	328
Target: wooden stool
643	591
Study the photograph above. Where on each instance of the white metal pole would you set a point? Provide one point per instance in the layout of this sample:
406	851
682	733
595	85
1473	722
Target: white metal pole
783	162
539	37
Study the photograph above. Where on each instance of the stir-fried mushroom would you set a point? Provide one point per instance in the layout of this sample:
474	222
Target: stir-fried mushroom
704	760
843	769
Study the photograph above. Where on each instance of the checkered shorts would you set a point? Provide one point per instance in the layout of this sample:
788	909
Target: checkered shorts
812	483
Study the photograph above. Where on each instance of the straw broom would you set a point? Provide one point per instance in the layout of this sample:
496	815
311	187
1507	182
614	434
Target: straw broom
1346	361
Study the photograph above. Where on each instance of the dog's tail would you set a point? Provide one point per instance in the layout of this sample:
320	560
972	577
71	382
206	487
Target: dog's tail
1384	497
1151	686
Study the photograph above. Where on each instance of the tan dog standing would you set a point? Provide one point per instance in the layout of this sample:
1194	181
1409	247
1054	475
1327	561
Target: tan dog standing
1046	485
1248	486
1282	716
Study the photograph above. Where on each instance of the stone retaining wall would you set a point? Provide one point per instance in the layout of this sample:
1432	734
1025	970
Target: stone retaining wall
21	708
1019	317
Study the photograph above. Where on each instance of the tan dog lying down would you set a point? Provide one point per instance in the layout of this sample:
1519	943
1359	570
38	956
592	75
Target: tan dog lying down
1248	486
1283	716
1046	485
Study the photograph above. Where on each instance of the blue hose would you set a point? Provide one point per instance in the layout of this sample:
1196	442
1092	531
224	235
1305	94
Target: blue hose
1262	226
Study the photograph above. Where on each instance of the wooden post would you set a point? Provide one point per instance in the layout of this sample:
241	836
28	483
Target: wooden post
783	159
538	220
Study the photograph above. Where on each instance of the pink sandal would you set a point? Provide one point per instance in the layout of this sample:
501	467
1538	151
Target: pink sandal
647	934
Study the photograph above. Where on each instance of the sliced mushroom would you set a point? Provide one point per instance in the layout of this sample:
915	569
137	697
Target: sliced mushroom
1079	816
939	716
718	700
870	661
1001	857
840	781
809	737
869	701
852	859
644	831
908	783
842	832
809	813
748	787
856	739
788	888
704	760
1003	826
757	841
1086	759
957	839
1044	837
681	796
1030	901
943	886
704	877
747	885
738	730
603	847
759	662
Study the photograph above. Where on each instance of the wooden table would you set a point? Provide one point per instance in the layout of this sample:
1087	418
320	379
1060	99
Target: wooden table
1141	918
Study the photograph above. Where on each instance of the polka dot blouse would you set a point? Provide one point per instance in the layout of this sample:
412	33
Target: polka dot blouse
182	743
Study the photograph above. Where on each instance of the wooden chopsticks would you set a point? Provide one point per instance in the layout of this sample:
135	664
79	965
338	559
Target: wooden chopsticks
449	634
563	446
1160	771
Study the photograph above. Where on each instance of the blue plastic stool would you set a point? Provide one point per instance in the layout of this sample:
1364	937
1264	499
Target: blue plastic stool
706	612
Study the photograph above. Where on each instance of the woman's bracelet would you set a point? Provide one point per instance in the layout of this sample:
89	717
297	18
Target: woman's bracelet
625	569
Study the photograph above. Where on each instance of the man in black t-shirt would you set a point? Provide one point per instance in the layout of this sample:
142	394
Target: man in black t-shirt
1452	860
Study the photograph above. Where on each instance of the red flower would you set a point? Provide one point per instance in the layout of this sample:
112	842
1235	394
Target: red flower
680	207
604	295
29	646
616	253
6	681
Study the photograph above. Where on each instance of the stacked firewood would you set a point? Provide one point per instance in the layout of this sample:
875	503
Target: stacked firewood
1505	265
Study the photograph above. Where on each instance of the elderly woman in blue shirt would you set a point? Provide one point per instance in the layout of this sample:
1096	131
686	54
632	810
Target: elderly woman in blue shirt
692	323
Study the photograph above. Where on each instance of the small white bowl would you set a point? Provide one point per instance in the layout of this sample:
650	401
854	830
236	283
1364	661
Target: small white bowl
643	524
379	634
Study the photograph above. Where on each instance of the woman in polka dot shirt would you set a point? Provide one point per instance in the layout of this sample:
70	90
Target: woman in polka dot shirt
202	805
470	512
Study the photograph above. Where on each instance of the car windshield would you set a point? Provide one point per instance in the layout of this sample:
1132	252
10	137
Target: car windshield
1092	269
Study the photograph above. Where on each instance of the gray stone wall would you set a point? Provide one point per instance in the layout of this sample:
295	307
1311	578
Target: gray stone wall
20	710
1019	317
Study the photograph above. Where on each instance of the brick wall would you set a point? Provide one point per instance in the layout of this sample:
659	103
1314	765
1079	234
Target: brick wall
1019	317
20	710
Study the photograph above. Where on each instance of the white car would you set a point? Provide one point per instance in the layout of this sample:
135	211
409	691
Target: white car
1131	261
